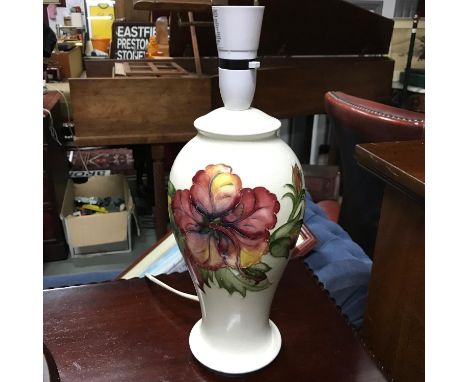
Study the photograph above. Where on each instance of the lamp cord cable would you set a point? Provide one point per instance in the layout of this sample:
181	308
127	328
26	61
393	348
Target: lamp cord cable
68	125
52	130
171	289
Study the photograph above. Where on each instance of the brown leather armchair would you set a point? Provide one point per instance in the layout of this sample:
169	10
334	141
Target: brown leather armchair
356	120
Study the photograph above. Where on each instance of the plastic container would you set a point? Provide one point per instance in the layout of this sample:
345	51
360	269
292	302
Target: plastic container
101	43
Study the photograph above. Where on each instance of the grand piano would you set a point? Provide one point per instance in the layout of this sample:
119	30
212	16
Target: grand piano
306	49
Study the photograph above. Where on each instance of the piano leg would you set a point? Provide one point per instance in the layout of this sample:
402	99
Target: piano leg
161	216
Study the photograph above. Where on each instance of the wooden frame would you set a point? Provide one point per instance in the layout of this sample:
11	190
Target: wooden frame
305	243
153	69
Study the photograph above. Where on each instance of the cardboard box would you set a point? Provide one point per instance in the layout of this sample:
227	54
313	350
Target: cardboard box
98	233
71	62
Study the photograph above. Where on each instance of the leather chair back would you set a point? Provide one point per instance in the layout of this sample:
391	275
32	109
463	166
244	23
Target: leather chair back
354	121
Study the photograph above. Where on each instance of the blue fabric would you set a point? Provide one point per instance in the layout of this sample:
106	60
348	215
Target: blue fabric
58	281
339	263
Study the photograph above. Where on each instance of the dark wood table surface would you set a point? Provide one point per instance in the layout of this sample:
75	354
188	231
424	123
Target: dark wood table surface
50	99
393	325
133	330
400	164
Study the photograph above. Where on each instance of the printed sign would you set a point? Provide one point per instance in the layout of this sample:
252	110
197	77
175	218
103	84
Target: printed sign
87	174
129	39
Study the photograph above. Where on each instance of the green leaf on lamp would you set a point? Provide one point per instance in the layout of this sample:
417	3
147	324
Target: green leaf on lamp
235	281
280	247
171	189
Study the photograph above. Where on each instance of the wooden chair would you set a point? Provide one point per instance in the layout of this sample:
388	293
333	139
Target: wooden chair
356	120
323	184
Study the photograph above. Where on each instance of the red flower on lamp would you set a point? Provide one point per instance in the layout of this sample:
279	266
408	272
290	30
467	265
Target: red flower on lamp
223	224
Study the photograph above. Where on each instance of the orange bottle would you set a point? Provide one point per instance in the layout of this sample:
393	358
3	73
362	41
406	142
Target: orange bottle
152	47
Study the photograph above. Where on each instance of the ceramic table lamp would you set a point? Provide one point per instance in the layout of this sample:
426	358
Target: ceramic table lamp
236	203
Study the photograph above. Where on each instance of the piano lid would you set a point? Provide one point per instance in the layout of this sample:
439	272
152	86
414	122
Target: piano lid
177	5
299	27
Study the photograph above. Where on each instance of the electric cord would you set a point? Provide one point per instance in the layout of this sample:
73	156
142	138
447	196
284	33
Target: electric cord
64	98
68	124
177	292
52	130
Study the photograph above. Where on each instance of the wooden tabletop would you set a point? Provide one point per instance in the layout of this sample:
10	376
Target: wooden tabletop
49	99
398	163
133	330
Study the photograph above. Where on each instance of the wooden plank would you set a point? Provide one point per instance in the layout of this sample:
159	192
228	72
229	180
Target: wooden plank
290	91
135	139
286	87
119	107
99	68
196	53
393	326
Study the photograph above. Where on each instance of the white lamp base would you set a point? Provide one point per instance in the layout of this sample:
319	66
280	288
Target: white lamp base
234	362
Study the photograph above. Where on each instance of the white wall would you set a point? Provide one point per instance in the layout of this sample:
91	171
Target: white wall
388	8
65	11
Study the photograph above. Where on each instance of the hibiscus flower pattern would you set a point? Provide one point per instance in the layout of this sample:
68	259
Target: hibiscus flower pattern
223	229
224	224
